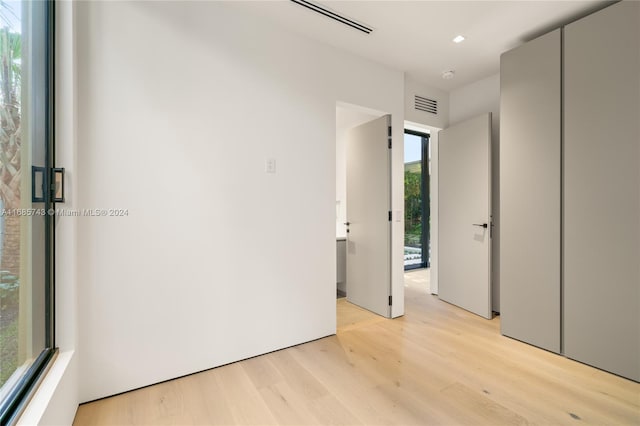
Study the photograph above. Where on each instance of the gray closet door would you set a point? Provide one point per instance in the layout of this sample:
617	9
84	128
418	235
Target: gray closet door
530	109
602	190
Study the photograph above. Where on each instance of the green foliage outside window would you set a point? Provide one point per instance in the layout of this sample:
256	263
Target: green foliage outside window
412	208
10	177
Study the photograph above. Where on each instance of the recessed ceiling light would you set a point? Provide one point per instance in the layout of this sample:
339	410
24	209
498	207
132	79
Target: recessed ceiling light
458	39
448	75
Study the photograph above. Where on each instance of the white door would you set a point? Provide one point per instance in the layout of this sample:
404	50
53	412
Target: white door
368	223
465	215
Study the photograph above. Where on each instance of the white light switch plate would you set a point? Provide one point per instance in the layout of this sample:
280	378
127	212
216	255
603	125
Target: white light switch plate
270	165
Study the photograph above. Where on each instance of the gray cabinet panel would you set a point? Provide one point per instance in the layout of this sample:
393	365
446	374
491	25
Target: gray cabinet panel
530	109
602	190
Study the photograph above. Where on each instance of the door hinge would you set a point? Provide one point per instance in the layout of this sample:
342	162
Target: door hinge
390	216
389	136
490	226
390	300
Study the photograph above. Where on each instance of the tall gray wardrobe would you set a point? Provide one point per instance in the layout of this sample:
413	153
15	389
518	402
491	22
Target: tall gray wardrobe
570	190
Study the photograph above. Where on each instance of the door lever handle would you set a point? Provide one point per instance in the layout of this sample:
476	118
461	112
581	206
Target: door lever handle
482	225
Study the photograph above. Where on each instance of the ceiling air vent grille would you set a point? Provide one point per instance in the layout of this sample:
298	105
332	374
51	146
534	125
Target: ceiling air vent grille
331	14
426	104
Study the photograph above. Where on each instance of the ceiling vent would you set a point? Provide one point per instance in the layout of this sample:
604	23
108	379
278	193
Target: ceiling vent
426	104
331	14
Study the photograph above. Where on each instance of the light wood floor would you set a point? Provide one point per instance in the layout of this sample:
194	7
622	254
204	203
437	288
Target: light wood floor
436	365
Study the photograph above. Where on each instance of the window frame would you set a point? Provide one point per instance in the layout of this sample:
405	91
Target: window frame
425	200
12	406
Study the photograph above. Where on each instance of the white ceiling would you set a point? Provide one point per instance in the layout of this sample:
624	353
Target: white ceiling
416	36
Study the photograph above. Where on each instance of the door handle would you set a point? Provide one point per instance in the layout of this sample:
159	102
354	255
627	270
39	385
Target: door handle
482	225
57	184
38	182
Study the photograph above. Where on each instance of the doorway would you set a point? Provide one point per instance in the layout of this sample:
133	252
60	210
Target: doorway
364	211
417	223
347	117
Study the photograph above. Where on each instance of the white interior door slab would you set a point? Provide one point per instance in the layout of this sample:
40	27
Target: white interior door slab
465	215
368	207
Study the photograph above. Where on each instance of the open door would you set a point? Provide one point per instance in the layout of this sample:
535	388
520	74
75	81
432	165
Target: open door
465	215
368	216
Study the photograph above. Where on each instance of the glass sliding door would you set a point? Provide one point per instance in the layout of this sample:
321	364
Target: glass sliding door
26	210
416	200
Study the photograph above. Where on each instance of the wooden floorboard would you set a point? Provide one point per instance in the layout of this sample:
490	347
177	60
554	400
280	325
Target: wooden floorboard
437	365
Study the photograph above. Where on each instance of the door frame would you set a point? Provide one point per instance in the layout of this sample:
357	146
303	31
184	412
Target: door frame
425	191
433	198
39	131
397	199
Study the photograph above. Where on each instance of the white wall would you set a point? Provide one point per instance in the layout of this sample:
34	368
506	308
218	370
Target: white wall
178	108
476	98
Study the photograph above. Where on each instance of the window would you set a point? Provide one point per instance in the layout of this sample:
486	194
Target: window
26	209
416	200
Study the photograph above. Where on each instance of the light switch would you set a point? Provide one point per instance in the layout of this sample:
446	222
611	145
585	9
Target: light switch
270	165
398	215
